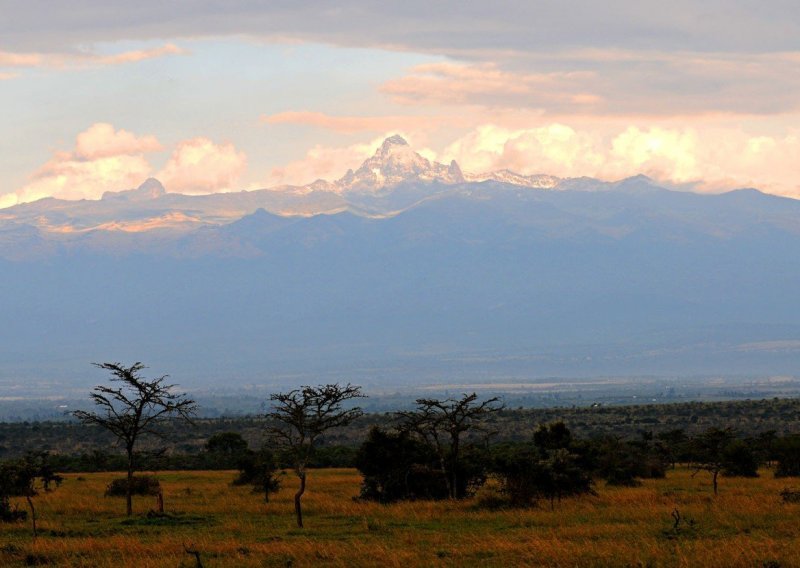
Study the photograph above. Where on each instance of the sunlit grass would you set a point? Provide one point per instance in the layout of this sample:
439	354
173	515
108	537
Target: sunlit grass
747	525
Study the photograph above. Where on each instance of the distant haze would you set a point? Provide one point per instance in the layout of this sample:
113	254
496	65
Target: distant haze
402	271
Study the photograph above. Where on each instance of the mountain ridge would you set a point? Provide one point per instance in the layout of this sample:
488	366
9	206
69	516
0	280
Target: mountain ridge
392	180
418	279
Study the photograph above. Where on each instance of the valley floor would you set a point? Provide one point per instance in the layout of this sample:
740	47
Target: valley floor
747	525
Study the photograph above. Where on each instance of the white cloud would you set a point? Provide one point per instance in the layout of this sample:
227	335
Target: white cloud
712	159
553	149
84	58
199	166
103	159
101	141
323	162
109	159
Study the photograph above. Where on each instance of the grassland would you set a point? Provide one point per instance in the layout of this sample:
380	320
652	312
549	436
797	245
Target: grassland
747	525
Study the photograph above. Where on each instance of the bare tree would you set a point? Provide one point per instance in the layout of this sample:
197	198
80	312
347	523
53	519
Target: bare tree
134	409
301	416
441	423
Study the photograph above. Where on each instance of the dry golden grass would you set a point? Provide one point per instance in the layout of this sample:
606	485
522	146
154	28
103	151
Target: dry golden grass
747	525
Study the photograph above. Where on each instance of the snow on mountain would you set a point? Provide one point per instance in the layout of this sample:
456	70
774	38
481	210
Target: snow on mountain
537	181
396	162
393	180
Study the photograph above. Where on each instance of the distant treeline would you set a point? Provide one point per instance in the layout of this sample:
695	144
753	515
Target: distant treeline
76	447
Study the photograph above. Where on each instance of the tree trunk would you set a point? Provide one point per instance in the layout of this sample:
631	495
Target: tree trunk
715	474
454	466
129	486
33	513
446	475
160	501
297	496
266	493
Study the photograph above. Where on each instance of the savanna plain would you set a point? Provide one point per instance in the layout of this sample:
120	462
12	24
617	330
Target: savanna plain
675	521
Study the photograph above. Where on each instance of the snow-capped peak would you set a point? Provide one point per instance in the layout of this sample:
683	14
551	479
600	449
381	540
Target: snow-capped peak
392	142
396	162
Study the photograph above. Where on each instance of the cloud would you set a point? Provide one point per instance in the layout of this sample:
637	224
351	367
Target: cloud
618	57
199	166
710	159
486	84
555	149
108	159
350	124
8	76
322	162
103	159
101	140
448	27
79	59
610	82
137	55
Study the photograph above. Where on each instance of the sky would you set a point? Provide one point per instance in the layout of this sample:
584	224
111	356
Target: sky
212	96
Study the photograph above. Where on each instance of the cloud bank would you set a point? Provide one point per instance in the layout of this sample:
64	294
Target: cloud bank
105	158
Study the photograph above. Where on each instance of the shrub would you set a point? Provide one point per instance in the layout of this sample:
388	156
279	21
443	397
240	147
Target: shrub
739	460
529	473
258	469
787	453
140	485
790	495
9	513
396	466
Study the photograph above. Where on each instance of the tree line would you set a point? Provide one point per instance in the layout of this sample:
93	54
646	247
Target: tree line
440	449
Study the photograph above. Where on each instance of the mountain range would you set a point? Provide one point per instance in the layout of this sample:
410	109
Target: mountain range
403	270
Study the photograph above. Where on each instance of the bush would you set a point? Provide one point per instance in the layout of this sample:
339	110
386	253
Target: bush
529	473
395	466
258	469
224	450
9	514
739	460
790	495
787	453
140	485
622	463
519	470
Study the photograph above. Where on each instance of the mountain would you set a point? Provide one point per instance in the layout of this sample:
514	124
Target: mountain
394	178
402	271
150	189
396	162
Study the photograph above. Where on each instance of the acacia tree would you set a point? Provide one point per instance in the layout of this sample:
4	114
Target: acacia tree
259	470
708	452
134	409
301	416
22	478
442	423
